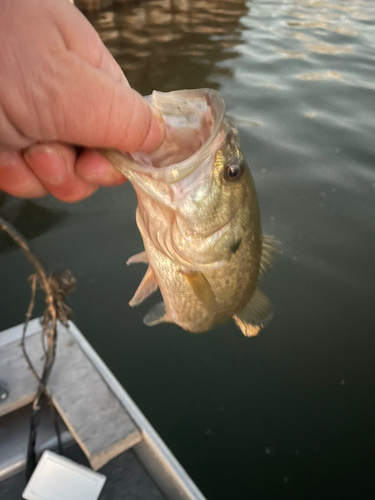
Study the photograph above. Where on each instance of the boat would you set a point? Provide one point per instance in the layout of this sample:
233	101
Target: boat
104	436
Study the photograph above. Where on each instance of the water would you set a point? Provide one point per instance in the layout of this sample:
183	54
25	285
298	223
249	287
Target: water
290	413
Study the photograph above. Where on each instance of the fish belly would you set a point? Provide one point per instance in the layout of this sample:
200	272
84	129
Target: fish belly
231	286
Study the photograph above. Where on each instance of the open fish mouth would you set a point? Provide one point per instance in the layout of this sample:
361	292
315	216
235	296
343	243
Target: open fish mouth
195	129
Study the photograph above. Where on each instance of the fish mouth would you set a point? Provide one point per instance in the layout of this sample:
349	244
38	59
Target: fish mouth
195	129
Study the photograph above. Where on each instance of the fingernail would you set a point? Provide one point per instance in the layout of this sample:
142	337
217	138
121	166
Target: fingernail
156	133
48	165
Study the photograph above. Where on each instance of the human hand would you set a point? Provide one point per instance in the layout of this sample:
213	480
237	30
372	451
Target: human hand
60	86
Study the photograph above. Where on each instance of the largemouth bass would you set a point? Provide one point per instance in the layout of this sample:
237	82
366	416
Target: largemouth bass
199	219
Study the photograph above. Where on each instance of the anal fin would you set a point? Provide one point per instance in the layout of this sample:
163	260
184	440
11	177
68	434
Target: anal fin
147	286
255	316
156	315
138	257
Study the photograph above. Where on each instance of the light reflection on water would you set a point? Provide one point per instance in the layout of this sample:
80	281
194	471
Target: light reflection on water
166	43
288	414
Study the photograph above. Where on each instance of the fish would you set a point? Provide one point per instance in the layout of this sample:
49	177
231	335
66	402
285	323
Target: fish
198	215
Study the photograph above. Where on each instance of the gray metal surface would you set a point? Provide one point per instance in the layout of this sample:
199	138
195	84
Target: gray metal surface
15	375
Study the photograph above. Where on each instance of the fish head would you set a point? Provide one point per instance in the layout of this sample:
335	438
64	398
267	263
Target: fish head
213	194
198	173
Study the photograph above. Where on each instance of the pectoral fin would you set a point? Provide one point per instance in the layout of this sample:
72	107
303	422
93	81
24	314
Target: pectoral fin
156	315
269	252
138	257
255	316
201	288
147	286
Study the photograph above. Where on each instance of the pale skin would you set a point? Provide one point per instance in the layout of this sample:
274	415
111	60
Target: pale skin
60	87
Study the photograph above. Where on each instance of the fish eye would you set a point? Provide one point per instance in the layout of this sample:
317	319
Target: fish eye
234	171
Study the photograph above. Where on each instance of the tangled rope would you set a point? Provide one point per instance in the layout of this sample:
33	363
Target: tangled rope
56	287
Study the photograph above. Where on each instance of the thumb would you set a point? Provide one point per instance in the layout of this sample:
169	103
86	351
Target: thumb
90	108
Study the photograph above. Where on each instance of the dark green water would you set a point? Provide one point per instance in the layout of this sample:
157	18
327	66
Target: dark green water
288	414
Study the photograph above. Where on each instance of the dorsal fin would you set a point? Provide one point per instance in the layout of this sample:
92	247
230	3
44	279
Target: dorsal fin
269	252
256	314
